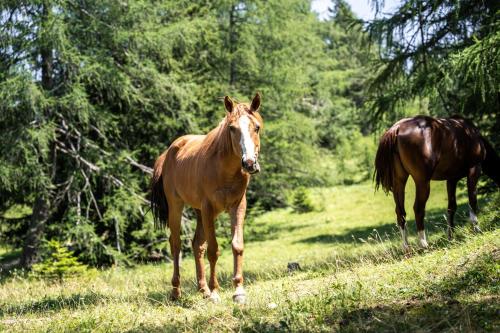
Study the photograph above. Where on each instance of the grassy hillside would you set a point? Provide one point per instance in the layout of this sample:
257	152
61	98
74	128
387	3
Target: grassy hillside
353	277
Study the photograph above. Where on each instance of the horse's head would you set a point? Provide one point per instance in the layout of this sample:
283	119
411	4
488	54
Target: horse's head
244	123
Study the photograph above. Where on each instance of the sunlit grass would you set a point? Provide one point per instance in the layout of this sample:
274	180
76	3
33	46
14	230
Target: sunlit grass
354	277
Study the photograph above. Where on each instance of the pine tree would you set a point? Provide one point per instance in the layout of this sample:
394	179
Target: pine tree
446	51
59	263
93	91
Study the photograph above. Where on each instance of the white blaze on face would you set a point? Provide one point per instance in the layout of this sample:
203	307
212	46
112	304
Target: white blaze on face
246	142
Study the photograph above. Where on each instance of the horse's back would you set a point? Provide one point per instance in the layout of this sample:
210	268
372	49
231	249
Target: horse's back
438	148
182	152
187	142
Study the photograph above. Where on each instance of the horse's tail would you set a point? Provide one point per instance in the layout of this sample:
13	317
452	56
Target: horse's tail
384	160
159	204
491	163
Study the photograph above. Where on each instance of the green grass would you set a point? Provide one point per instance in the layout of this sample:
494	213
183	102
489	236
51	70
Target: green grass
354	277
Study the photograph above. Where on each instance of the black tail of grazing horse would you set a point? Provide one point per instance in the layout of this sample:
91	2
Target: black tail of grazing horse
159	205
384	160
491	163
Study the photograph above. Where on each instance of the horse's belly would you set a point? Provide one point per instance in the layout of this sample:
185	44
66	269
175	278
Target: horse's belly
445	172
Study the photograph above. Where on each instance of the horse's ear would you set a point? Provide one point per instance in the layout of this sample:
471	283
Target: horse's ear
228	103
255	103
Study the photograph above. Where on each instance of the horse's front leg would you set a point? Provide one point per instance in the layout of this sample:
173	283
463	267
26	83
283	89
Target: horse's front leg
208	218
472	178
237	220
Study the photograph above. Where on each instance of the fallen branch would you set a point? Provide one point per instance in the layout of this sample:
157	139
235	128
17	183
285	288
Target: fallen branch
142	167
92	197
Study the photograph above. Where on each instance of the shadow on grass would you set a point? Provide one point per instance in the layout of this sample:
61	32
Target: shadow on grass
154	329
54	304
428	316
8	262
85	300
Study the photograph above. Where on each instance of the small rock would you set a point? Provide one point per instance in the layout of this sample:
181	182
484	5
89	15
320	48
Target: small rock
293	266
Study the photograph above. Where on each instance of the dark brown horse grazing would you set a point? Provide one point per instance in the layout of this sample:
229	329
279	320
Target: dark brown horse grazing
433	149
209	173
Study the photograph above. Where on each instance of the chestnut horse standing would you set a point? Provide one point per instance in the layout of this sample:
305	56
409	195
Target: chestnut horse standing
433	149
209	173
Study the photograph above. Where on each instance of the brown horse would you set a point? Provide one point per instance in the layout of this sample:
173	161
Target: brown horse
433	149
209	173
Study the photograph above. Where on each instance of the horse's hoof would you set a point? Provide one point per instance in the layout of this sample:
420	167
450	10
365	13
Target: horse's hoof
424	244
205	292
176	294
477	230
450	233
240	299
214	297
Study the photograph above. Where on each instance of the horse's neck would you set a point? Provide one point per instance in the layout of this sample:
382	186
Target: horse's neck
220	149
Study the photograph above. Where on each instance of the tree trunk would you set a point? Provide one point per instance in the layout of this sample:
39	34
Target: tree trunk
41	209
233	39
41	206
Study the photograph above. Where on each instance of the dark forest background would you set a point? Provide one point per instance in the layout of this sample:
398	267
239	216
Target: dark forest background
91	92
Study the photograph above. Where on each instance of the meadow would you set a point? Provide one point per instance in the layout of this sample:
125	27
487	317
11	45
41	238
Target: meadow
353	277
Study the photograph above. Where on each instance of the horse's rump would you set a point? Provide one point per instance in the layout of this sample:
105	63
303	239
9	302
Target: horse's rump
384	160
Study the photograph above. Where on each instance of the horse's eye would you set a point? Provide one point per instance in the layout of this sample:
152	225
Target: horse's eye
257	129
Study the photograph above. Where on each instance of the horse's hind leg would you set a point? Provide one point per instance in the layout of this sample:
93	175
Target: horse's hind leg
199	247
174	224
398	191
472	178
208	218
423	191
451	187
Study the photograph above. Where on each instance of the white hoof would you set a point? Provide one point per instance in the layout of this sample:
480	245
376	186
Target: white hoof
422	239
476	229
239	296
450	233
239	299
214	297
424	244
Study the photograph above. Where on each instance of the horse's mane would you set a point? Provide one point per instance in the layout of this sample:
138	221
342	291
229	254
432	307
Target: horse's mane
218	140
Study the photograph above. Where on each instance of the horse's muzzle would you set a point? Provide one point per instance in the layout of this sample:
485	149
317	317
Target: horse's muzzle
250	166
